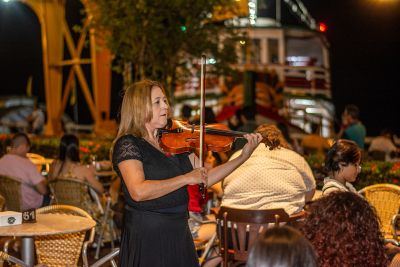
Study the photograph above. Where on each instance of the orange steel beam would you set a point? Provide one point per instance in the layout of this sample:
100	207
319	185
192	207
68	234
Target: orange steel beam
51	15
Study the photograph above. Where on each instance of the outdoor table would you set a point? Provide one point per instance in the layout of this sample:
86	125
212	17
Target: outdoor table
46	224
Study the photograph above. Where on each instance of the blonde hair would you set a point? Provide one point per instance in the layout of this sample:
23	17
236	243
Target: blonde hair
272	136
136	108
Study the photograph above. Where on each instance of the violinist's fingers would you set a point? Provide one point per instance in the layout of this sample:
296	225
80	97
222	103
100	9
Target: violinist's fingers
197	176
259	138
252	142
253	138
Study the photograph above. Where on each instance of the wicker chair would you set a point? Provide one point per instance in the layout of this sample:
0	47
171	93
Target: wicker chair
74	192
10	189
395	261
10	259
385	198
63	249
243	229
2	202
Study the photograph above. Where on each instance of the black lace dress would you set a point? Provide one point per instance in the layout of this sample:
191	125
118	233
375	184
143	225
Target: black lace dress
155	232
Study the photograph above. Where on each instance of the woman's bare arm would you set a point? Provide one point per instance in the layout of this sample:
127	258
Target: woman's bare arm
141	189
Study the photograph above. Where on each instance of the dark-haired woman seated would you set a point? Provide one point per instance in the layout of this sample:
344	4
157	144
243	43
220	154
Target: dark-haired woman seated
68	164
343	165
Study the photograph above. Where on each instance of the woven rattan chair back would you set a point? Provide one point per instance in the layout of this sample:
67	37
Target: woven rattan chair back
243	229
2	202
385	198
10	189
74	192
63	249
395	261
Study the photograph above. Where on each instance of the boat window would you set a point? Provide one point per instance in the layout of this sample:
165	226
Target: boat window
273	56
255	57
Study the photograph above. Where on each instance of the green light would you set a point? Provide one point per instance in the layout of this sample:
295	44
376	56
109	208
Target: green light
183	28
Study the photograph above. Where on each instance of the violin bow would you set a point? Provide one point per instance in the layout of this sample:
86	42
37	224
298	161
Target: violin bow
203	63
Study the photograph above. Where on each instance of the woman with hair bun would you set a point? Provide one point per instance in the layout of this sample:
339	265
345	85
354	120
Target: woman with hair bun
274	177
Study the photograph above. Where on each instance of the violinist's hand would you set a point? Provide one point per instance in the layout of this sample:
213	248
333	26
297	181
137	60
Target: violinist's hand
252	142
197	176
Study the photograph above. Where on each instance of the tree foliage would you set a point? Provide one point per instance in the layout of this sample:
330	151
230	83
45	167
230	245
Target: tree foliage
161	38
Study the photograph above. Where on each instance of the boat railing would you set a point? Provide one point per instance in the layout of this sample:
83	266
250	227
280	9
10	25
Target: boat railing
310	80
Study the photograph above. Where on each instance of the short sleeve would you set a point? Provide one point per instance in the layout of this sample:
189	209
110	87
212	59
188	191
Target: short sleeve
330	187
126	148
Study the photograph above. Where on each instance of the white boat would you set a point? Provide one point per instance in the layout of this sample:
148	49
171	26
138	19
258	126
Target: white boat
285	69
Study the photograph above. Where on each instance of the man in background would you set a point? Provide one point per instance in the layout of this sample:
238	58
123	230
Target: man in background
352	128
16	165
37	120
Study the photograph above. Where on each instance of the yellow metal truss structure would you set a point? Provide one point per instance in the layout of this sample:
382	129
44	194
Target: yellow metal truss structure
55	29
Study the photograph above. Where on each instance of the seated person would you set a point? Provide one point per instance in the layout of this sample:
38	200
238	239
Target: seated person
15	164
384	144
273	177
68	164
37	119
343	165
282	246
344	231
314	143
352	128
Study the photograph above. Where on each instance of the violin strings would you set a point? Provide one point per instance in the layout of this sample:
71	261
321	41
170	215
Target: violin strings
224	132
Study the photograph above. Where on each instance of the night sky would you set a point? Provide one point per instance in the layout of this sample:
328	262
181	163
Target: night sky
365	55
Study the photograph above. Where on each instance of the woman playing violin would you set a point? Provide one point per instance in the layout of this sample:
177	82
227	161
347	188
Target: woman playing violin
154	183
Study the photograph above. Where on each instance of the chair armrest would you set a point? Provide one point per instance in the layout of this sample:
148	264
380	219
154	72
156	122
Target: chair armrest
12	259
297	216
199	220
86	244
209	222
109	257
391	241
395	218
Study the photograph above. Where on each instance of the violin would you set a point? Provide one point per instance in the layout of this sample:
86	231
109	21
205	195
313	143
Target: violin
180	137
